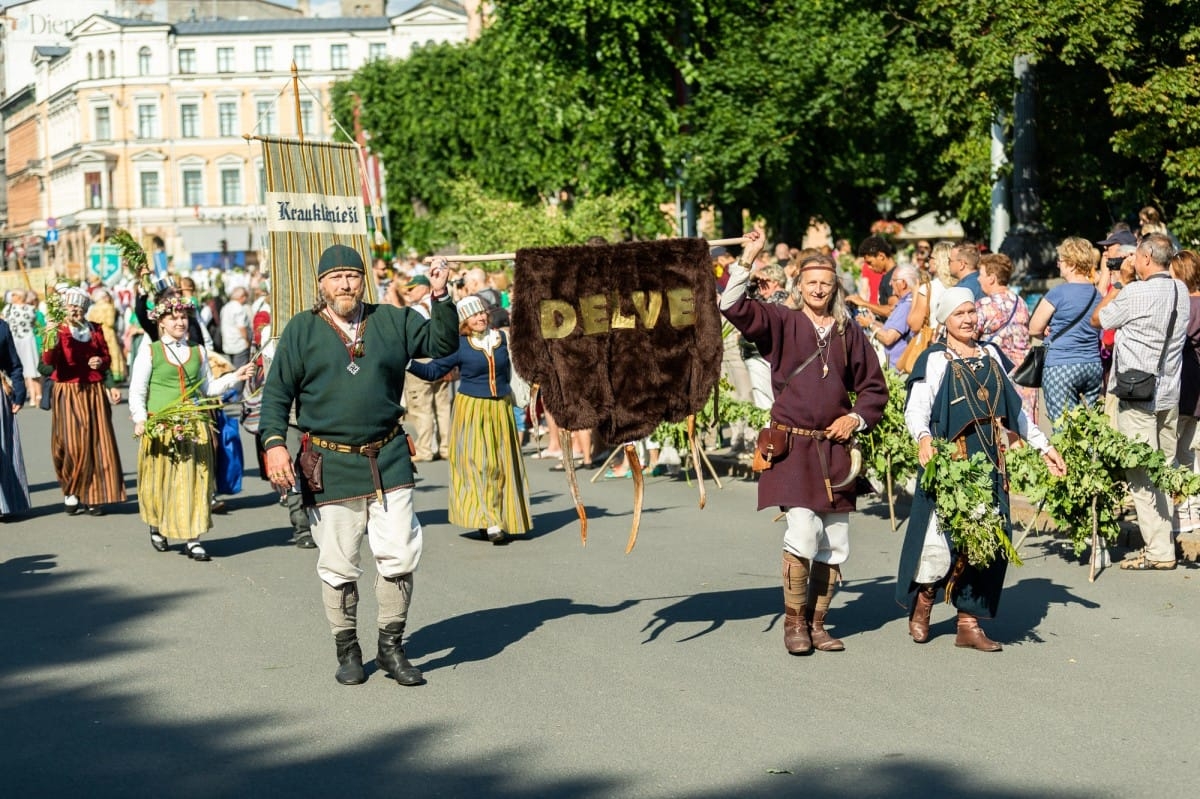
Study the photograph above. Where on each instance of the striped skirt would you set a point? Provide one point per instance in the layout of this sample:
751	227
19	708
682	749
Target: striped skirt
487	476
175	485
83	445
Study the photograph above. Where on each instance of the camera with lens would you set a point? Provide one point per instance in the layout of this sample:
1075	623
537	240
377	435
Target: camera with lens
1114	263
459	283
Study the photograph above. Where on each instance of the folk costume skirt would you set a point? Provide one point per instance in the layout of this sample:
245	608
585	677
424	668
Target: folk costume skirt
488	487
83	445
14	485
175	485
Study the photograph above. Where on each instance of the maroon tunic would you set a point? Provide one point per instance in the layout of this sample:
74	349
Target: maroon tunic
786	338
70	358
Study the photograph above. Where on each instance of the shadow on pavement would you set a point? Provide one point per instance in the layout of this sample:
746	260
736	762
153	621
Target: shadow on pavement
104	739
483	634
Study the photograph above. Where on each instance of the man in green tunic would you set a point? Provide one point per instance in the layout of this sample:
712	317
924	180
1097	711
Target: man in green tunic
342	367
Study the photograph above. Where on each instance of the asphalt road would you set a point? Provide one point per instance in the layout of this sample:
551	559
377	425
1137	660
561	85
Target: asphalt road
556	670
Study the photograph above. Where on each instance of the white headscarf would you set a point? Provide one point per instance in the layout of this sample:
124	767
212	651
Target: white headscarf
951	299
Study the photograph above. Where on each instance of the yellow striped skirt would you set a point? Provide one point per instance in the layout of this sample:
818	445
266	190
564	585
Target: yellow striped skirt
175	485
487	475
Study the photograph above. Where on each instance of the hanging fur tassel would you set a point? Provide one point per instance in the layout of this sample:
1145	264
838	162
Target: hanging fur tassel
639	487
564	441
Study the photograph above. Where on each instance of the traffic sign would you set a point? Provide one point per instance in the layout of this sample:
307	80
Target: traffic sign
104	260
52	236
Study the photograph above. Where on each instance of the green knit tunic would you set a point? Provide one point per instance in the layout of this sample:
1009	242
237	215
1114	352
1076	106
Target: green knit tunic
310	370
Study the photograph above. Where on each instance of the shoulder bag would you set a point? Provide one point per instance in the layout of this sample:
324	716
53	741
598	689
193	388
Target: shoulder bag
1029	373
917	344
1134	385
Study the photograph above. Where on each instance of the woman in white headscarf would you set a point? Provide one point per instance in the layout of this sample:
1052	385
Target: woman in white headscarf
959	392
488	489
82	443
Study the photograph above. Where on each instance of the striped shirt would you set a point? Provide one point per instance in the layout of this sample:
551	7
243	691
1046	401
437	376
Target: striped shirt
1140	314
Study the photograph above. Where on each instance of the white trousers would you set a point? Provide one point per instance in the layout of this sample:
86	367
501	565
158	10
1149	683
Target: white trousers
391	529
823	537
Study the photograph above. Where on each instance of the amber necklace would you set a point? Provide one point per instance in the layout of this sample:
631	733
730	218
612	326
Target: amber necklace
354	344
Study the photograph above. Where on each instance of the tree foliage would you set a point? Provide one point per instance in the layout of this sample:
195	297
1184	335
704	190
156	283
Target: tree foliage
788	109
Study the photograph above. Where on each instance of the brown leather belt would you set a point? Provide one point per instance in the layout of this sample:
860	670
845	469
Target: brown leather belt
819	435
370	451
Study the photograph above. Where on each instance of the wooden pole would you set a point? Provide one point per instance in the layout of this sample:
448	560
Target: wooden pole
509	256
891	493
296	101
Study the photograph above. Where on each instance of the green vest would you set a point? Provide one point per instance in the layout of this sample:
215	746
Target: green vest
168	382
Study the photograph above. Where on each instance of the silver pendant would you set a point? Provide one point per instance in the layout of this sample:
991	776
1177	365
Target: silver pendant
352	368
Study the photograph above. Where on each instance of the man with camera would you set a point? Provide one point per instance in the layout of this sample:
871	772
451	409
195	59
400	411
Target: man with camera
1149	313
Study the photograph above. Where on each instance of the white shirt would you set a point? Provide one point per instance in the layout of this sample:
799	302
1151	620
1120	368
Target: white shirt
177	353
920	403
235	328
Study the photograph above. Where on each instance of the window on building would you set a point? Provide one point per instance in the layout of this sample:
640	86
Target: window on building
92	189
264	117
377	51
224	59
308	119
231	187
147	116
189	120
187	61
262	59
103	120
91	66
193	187
227	117
339	56
144	61
302	55
112	63
100	72
151	190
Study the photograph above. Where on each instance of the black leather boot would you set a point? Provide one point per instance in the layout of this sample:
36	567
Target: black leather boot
349	655
391	657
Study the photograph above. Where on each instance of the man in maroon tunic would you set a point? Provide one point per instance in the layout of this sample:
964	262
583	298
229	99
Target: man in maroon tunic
817	357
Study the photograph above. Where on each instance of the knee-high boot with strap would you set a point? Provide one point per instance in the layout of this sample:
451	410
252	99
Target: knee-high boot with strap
824	583
918	620
795	603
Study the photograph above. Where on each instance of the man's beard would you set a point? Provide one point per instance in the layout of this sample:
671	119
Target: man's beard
344	305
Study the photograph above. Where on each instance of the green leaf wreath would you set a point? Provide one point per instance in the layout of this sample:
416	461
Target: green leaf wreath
966	507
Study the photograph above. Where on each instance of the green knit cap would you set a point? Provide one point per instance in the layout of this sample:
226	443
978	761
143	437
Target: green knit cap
339	256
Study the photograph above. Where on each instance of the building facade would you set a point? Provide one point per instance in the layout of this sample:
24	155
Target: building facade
143	125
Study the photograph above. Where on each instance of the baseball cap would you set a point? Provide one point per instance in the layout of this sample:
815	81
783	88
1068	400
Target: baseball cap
1122	237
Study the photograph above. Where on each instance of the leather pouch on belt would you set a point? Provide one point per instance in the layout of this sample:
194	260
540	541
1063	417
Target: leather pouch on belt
772	446
309	465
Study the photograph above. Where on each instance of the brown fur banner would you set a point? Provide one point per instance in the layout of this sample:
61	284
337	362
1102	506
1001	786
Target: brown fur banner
619	337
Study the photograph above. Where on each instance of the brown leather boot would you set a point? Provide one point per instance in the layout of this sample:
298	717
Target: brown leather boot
821	639
795	632
823	585
795	602
918	620
971	636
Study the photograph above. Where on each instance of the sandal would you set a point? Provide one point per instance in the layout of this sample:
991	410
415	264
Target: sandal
1140	562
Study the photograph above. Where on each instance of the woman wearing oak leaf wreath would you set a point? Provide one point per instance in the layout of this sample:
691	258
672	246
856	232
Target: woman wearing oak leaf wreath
175	478
817	357
959	391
